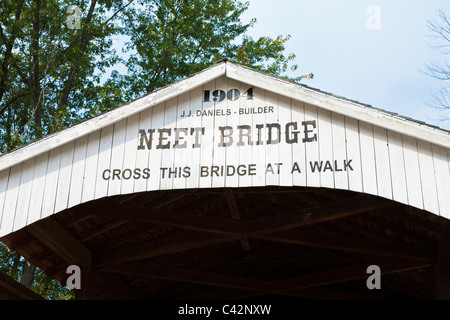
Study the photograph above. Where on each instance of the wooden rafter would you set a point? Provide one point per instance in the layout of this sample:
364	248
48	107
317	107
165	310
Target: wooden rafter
262	286
60	241
236	215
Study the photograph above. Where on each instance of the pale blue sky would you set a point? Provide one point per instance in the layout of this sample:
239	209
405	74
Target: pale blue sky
380	67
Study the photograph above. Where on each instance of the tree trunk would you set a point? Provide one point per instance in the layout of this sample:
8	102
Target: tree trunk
35	72
28	275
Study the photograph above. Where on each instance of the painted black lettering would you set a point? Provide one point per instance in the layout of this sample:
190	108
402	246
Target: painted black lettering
229	134
145	139
307	131
146	173
163	138
291	136
248	134
271	139
177	144
108	174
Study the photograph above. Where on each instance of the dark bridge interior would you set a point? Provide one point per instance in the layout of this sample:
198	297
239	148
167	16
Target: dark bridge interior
305	243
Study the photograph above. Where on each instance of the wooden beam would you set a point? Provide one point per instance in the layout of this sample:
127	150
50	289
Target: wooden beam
166	217
159	248
282	287
232	230
107	226
178	274
235	214
60	241
87	288
117	287
303	217
344	243
280	222
442	267
347	274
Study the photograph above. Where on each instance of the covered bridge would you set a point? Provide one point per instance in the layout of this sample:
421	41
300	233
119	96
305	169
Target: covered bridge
235	184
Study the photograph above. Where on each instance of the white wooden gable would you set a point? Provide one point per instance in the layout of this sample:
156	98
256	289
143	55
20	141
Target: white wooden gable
228	126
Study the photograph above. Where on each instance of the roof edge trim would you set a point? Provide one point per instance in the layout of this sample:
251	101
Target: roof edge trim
60	138
339	105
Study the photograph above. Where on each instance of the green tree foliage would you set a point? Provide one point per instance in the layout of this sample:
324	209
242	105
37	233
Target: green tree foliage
58	69
13	265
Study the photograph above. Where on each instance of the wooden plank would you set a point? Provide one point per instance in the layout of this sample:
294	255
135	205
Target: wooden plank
117	286
348	244
208	141
155	153
23	201
234	155
90	168
325	140
427	177
246	102
442	267
312	149
355	180
279	222
219	152
159	248
368	165
87	285
143	155
299	168
235	214
442	174
273	164
117	157
168	155
184	275
104	162
130	154
346	274
397	164
4	180
181	148
383	169
285	149
65	173
412	172
326	212
194	154
258	150
51	182
61	242
77	175
339	151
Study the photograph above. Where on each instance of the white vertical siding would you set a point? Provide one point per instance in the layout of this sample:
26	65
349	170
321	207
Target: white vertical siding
194	154
90	172
38	188
383	170
339	150
77	174
343	153
299	166
397	165
11	195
